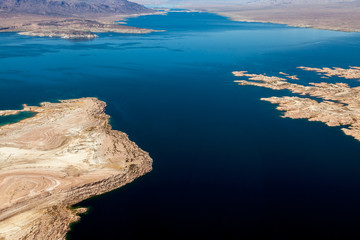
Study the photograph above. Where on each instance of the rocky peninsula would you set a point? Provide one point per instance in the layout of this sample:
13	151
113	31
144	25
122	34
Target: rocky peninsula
350	73
64	154
335	104
71	28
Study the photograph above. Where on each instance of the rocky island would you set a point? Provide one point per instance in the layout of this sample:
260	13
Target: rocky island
73	29
335	104
69	19
65	153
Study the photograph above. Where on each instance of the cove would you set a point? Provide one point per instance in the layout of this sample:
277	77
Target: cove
4	120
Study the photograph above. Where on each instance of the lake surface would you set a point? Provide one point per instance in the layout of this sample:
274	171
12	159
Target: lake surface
226	165
10	119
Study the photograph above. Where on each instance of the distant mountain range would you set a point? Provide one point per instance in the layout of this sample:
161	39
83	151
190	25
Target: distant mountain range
72	7
295	2
240	2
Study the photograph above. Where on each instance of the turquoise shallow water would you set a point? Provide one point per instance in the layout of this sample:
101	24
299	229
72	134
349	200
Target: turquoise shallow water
4	120
225	164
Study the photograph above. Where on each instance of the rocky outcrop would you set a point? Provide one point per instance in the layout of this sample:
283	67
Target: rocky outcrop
350	73
73	29
334	104
79	35
64	154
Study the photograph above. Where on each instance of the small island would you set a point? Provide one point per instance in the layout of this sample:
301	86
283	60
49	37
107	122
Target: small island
65	153
73	29
335	104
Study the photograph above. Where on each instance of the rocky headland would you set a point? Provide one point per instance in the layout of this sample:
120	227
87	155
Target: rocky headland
64	154
335	104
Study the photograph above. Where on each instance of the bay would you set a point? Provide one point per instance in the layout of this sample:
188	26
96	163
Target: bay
226	164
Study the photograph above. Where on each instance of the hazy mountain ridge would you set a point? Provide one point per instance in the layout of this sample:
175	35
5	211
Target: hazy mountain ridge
72	7
295	2
298	1
242	2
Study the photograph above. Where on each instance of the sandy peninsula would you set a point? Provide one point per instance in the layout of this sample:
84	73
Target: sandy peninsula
335	104
64	154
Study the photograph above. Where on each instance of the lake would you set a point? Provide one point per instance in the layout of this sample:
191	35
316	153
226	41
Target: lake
226	165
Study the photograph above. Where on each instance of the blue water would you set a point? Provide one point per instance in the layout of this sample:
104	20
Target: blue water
225	164
10	119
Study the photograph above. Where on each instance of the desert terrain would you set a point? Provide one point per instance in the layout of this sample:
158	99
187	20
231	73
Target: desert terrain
64	154
340	15
69	19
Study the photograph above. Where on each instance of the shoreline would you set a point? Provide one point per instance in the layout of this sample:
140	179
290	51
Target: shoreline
56	159
336	104
249	20
76	28
343	17
84	29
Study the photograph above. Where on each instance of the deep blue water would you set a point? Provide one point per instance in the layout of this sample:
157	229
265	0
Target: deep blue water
225	164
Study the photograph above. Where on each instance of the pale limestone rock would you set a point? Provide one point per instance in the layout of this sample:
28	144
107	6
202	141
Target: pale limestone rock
64	154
